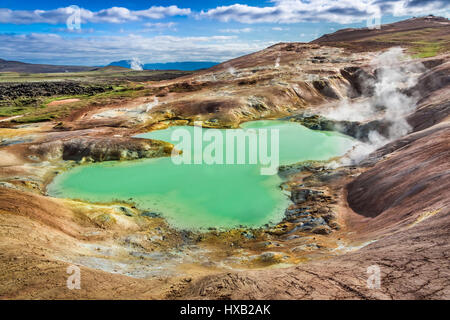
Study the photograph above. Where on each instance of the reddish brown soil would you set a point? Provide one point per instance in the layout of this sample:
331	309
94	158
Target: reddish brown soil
394	208
402	199
414	24
405	202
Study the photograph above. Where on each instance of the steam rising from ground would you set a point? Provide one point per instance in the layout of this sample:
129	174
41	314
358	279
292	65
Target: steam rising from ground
277	63
389	102
151	105
232	71
136	64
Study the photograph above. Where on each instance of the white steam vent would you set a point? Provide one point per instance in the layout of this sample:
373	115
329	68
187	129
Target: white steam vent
389	102
136	64
232	71
151	105
277	62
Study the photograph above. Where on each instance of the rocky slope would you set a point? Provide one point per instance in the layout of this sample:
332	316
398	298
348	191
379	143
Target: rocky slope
414	24
101	149
401	201
389	210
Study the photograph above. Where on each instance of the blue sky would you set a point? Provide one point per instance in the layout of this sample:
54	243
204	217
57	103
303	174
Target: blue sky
174	30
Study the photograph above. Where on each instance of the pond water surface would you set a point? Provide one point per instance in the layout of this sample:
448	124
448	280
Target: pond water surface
200	196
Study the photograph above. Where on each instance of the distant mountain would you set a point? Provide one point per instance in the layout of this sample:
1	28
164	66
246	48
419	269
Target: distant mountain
183	66
22	67
112	69
16	66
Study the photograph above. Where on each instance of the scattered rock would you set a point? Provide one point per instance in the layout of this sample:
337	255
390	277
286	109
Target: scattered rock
325	88
303	195
361	81
126	211
150	214
248	235
323	230
104	221
306	247
10	91
94	149
271	257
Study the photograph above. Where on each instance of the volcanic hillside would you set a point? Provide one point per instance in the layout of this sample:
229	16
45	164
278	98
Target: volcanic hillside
390	208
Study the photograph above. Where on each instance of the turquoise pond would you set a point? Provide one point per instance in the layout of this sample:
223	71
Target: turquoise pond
200	196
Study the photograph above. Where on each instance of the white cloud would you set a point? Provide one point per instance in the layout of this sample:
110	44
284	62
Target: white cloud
244	30
101	50
111	15
342	11
280	29
159	26
281	11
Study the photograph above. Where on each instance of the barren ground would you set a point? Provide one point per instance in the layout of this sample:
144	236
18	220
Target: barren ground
391	210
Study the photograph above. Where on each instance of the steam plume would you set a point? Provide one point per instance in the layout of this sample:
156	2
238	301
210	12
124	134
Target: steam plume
389	103
277	62
136	64
151	105
232	71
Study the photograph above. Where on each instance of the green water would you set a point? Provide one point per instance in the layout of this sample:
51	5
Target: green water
199	196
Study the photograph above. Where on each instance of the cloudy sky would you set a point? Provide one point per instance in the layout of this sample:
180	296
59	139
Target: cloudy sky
96	32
